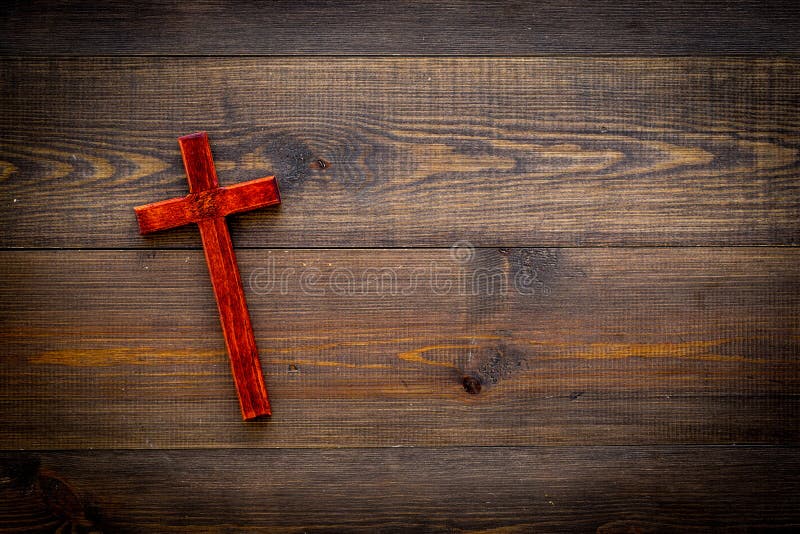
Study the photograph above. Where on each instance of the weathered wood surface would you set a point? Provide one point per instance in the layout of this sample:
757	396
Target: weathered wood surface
110	349
575	388
410	151
473	489
360	27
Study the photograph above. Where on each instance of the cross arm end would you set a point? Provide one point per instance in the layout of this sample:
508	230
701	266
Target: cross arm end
163	215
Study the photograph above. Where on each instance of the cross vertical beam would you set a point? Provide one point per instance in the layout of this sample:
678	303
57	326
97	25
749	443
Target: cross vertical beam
207	204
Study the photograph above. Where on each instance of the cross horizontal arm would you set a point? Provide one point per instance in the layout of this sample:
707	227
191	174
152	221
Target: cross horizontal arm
209	204
165	214
247	196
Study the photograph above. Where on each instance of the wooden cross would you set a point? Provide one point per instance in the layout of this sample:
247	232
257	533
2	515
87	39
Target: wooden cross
207	204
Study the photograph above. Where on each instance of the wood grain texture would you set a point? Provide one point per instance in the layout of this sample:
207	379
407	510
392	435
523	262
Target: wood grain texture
369	348
605	388
475	489
410	151
360	27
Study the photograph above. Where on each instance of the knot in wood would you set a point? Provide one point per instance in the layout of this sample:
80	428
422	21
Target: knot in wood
471	384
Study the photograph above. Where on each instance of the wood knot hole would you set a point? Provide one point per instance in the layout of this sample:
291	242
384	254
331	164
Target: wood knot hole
471	385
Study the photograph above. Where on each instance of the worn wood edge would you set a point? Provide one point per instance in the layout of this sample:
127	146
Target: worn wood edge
401	28
471	489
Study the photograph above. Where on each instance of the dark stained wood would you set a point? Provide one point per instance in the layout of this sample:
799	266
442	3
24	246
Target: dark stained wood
410	151
207	205
360	27
121	349
34	500
607	385
474	489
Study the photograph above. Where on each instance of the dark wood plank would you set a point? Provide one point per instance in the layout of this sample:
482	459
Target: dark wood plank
360	27
122	349
410	152
481	489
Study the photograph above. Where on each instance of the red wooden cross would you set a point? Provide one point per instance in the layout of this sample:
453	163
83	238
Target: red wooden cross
207	204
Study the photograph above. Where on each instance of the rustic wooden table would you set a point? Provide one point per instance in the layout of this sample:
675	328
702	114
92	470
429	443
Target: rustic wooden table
535	267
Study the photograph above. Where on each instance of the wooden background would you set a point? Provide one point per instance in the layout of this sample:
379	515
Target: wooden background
591	209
